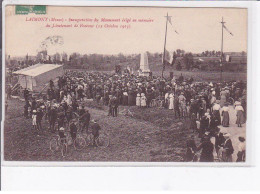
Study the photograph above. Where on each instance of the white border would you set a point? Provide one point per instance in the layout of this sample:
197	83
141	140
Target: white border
250	76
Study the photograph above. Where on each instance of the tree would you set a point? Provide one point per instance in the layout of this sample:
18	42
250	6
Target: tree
188	60
174	57
178	66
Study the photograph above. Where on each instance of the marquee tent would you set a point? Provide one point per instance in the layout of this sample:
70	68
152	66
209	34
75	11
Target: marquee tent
35	77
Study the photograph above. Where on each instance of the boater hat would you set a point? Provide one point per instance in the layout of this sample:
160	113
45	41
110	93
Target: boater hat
226	135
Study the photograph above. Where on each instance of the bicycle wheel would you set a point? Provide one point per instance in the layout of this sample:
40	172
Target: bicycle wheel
69	140
160	103
64	149
153	103
79	143
88	139
54	146
102	141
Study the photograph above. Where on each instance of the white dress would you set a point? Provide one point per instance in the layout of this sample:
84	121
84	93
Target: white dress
171	105
143	101
34	119
138	101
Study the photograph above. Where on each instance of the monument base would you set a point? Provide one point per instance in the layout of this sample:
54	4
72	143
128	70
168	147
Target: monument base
144	73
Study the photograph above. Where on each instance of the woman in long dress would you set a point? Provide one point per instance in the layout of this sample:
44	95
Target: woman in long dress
225	115
240	115
216	112
143	100
171	104
138	100
223	100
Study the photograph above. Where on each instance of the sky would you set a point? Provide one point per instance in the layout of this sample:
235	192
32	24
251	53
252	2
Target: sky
199	29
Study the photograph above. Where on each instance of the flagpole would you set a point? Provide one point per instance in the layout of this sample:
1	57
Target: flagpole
221	59
164	44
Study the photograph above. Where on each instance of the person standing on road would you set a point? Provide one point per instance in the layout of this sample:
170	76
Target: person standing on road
241	150
219	142
240	114
228	149
216	112
225	115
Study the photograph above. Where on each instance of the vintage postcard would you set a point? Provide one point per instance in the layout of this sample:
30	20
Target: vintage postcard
125	84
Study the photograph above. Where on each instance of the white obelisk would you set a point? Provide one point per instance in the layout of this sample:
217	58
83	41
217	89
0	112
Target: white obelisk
144	65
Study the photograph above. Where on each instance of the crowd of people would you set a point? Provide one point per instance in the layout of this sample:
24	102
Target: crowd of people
205	103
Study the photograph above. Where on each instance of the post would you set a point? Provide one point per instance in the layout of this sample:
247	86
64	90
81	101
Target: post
221	59
165	44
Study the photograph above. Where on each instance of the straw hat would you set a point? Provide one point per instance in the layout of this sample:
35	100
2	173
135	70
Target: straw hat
226	135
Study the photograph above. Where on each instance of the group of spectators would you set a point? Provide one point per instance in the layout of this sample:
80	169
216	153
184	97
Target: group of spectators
202	102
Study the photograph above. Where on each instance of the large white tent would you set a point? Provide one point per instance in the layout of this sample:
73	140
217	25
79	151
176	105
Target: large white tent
35	77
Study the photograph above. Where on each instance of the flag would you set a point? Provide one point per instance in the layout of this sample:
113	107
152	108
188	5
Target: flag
169	19
167	58
228	30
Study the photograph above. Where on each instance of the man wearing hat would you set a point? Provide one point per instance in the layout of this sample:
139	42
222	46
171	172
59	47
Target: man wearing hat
241	149
219	142
95	131
73	129
62	134
52	118
228	149
39	116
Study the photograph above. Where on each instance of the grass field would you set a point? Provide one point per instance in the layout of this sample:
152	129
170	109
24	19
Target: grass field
150	135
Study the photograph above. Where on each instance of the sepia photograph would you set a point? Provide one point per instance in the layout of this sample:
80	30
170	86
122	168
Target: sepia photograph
125	84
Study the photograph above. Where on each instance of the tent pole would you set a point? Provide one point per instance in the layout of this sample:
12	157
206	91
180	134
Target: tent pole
32	82
25	81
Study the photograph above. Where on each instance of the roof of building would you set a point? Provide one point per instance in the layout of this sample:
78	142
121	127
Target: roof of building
37	69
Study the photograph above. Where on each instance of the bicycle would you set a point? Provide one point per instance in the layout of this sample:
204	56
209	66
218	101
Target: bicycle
157	103
101	141
79	142
57	143
86	139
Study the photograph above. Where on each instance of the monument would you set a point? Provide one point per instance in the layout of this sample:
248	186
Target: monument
144	66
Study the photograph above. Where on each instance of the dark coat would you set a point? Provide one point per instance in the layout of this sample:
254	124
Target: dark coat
207	151
219	140
228	147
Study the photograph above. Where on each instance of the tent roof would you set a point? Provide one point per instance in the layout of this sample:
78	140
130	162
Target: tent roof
37	69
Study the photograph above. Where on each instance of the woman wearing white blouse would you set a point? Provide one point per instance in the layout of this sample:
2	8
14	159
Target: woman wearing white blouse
240	115
225	116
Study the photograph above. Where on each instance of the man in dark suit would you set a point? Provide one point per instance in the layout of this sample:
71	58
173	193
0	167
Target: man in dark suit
228	149
85	119
219	141
95	131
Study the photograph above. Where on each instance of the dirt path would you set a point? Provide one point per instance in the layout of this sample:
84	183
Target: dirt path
234	130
